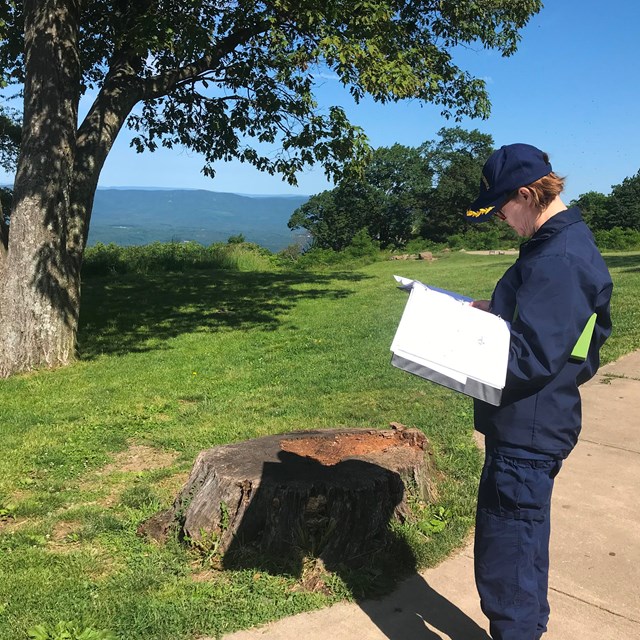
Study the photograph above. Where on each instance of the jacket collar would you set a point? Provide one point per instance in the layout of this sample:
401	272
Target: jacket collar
552	226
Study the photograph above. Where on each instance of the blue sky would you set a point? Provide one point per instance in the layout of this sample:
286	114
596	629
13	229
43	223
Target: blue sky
572	89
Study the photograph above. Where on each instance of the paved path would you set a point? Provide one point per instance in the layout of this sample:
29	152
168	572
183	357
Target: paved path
595	547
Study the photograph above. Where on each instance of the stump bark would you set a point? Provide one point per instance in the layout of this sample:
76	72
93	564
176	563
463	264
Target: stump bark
329	493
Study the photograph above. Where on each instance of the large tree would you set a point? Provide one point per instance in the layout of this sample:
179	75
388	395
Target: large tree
595	209
456	159
385	201
221	78
624	204
334	217
621	208
402	179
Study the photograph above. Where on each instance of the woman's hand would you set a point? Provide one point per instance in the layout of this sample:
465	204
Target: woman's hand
483	305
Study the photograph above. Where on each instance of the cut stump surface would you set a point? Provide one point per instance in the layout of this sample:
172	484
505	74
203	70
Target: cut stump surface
331	493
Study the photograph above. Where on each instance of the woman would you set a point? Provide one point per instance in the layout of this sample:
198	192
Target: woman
558	290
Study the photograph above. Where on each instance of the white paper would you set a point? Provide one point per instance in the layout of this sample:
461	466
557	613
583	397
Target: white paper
407	284
438	330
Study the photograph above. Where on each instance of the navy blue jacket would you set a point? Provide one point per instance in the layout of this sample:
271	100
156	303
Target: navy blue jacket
558	281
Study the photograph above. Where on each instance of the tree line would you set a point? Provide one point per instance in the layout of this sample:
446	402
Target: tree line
410	193
620	209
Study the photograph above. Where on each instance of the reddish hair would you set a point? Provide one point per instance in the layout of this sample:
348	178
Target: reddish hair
544	190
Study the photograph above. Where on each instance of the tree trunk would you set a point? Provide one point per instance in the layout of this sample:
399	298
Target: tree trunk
4	243
329	494
58	171
41	277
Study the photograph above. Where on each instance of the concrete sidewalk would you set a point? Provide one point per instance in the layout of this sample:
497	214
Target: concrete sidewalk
595	547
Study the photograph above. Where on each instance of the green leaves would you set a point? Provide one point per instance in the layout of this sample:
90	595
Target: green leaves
434	520
67	631
10	135
381	197
394	196
620	209
228	81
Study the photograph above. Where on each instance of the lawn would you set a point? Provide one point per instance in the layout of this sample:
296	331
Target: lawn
172	363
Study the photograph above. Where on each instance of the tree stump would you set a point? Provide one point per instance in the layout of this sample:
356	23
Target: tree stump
330	493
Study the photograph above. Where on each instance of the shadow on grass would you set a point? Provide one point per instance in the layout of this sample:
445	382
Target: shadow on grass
136	313
627	263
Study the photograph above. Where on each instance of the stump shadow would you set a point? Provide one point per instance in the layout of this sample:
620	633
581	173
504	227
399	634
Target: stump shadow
352	539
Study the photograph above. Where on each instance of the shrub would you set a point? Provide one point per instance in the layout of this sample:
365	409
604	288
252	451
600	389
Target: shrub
103	259
176	256
363	246
418	245
362	250
495	236
290	253
617	239
67	631
241	257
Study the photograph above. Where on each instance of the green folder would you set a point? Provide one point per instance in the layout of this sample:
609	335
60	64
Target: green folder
581	349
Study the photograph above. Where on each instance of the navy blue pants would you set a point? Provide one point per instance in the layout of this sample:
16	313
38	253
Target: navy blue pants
512	542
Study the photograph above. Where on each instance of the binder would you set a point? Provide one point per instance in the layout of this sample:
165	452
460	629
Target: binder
442	338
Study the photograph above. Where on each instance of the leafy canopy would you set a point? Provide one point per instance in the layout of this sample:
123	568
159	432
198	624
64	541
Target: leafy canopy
385	201
404	193
620	209
235	79
10	134
457	159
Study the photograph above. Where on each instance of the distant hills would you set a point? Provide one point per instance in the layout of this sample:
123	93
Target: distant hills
131	216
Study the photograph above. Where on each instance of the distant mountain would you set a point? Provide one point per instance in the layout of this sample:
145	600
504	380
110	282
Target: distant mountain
139	216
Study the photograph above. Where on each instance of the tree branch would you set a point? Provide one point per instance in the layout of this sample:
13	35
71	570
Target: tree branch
163	83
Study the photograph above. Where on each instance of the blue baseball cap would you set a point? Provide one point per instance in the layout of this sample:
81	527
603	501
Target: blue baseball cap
507	169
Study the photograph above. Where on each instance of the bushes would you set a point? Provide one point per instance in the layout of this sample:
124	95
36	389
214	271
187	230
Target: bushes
486	236
362	250
418	245
238	256
243	256
176	256
617	239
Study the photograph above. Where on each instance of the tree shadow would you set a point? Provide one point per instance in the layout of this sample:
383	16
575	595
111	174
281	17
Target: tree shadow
351	537
629	263
138	313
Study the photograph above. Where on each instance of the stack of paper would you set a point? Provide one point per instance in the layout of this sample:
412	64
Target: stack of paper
442	338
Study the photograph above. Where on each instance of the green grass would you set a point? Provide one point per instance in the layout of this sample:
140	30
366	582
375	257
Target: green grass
174	363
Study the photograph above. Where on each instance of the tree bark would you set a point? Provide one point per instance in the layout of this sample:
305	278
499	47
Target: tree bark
58	172
4	242
40	283
329	494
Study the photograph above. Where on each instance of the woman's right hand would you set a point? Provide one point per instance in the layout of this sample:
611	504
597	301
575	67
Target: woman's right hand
483	305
